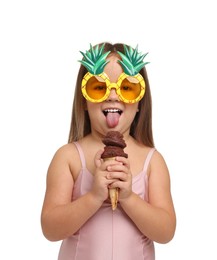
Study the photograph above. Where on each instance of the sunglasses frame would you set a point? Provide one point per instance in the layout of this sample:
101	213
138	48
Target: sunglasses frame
110	85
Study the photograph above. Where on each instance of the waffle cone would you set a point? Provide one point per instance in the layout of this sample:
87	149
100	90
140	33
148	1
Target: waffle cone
113	192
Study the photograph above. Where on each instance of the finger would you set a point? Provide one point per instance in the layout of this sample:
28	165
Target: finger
123	160
116	184
97	159
118	168
117	176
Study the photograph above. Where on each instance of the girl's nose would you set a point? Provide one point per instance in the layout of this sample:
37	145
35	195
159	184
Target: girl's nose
113	95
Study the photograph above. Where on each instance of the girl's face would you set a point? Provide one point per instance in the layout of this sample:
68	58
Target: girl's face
112	114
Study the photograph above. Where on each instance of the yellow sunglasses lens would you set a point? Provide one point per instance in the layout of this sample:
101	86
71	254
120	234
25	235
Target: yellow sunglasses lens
96	88
130	88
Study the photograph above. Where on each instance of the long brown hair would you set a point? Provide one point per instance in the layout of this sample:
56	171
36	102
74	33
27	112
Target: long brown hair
141	128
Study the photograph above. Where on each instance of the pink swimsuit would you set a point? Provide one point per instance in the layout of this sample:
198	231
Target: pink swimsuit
108	234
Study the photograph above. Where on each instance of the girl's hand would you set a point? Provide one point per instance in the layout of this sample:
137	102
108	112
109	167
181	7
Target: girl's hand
121	177
101	181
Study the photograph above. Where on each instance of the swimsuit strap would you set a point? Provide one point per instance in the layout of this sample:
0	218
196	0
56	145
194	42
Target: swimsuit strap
83	162
81	154
148	159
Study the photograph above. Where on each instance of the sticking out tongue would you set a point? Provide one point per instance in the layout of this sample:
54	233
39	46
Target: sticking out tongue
112	119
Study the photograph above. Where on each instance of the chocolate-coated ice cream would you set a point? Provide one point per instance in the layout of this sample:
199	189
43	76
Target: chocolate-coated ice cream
114	145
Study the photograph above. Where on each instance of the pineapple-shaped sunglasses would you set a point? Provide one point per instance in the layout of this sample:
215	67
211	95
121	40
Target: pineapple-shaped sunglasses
96	85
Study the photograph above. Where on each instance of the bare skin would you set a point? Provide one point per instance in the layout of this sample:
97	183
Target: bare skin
61	217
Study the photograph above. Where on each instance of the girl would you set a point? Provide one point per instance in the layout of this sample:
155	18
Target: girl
112	93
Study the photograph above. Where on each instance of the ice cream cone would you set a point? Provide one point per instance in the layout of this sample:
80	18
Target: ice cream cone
113	192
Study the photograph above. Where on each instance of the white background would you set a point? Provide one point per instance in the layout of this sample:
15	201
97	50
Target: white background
39	49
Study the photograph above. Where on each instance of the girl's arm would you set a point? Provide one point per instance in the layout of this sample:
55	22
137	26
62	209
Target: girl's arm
62	217
156	219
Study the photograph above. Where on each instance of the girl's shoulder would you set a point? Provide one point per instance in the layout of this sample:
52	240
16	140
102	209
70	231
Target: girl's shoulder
66	151
67	155
158	167
140	153
158	159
